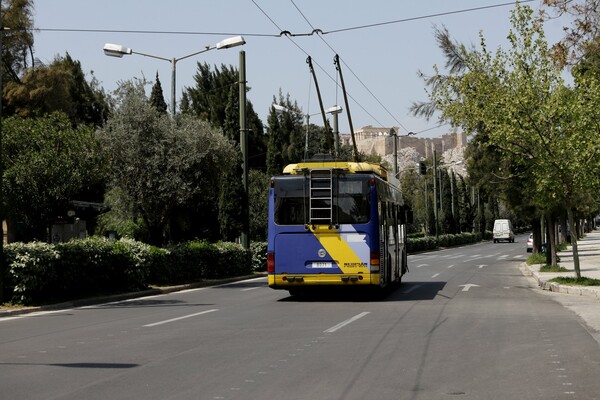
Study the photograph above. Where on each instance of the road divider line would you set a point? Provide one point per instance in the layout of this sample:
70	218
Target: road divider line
346	322
179	318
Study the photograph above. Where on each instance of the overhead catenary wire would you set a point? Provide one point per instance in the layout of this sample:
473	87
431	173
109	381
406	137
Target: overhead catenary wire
350	69
315	62
314	30
282	32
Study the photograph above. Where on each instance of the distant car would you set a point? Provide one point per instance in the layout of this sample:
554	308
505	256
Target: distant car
530	243
503	231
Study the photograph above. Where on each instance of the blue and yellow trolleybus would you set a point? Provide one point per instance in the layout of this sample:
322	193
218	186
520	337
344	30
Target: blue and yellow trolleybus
336	223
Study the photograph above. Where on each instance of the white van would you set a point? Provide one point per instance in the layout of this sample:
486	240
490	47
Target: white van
503	231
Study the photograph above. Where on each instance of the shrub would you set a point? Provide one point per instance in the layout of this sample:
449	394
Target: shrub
32	274
259	256
233	260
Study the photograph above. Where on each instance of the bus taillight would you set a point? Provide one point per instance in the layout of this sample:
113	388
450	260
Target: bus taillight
375	260
271	263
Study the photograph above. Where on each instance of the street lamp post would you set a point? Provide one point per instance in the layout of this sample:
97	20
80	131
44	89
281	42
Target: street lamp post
244	149
117	50
335	110
394	135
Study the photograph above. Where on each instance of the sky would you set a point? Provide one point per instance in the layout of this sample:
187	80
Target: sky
382	44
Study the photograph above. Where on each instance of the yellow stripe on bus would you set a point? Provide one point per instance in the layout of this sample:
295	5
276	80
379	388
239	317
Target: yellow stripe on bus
339	250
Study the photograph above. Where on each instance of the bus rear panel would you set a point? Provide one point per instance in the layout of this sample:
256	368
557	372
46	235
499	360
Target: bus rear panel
325	229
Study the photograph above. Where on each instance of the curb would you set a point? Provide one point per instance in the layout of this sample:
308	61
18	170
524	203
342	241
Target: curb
153	291
587	291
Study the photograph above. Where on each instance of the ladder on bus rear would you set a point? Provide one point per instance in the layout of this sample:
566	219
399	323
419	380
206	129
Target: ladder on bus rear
321	197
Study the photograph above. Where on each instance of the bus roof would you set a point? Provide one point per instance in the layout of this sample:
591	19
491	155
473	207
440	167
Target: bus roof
350	166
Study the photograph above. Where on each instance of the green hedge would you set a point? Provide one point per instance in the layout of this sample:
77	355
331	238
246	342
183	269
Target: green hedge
40	273
415	245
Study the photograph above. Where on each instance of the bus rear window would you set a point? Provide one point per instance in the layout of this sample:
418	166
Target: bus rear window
350	205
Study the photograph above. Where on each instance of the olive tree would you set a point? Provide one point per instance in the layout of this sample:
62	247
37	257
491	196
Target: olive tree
168	170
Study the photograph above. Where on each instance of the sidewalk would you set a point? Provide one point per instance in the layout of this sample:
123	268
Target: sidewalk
589	264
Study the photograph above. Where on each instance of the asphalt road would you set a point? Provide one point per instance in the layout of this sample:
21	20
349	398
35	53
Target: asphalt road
465	324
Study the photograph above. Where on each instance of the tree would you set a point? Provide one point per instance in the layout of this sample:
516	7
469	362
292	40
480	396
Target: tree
215	98
60	86
258	194
48	164
534	121
581	38
170	171
157	98
17	40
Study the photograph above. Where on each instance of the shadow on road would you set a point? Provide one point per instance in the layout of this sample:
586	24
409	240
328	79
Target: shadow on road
412	291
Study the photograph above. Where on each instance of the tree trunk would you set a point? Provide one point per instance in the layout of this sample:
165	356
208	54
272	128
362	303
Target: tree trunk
574	243
563	228
536	226
551	243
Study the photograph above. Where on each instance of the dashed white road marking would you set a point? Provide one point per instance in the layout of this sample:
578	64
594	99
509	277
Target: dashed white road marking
346	322
179	318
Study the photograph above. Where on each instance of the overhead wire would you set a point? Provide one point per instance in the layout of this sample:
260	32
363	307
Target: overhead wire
290	36
353	73
282	32
442	14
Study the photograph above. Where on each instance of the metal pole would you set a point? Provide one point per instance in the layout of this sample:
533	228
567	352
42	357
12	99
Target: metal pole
244	148
452	191
435	210
393	133
336	61
173	73
2	275
336	135
306	137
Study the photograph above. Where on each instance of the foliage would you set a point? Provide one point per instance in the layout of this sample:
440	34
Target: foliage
60	86
233	260
432	243
17	40
157	98
41	273
259	256
167	170
583	281
32	272
542	130
215	98
580	39
555	268
48	163
258	194
536	258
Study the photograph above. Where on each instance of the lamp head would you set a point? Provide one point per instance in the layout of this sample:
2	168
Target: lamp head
231	42
116	50
334	110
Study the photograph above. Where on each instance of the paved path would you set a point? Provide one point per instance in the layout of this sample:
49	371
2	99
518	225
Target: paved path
589	260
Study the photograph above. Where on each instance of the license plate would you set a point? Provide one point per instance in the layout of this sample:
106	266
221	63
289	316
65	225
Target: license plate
322	265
